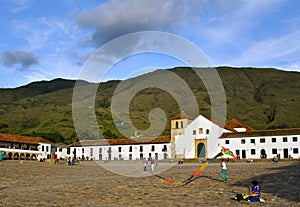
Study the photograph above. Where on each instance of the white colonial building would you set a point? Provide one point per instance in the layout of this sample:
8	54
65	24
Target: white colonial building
193	139
17	147
282	143
122	149
203	138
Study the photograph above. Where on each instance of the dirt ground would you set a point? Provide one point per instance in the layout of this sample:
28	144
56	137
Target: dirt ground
90	183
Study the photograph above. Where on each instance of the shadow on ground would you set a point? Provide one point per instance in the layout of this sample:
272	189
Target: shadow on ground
281	182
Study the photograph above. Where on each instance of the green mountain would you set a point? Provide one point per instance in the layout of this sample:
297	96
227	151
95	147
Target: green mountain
262	98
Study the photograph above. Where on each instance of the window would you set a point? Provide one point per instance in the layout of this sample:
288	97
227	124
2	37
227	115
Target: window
100	154
295	150
207	131
47	148
194	132
200	130
273	139
91	152
120	149
284	139
176	125
43	148
165	148
227	141
181	124
295	139
152	148
252	141
274	151
141	148
262	140
252	151
243	141
130	149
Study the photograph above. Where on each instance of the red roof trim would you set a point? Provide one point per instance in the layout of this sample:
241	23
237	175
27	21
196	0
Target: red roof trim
261	133
131	141
23	139
182	115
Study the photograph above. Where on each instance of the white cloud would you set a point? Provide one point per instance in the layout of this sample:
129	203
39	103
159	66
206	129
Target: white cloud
52	67
283	50
45	32
235	23
116	18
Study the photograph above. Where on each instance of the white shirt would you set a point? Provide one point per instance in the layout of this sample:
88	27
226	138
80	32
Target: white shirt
224	166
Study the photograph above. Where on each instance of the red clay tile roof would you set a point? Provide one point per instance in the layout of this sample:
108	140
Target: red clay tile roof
131	141
231	124
261	133
182	115
23	139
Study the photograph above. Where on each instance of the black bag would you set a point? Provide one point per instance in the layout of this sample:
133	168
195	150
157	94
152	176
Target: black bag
239	197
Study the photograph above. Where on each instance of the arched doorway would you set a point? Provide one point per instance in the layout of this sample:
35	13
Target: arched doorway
10	156
16	156
201	150
4	156
263	153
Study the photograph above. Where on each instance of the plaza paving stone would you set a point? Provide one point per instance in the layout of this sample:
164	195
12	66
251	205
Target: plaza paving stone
90	183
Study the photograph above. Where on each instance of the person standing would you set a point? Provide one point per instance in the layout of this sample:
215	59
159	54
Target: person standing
152	165
145	167
224	170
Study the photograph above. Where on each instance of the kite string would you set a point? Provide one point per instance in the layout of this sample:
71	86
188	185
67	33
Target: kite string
199	170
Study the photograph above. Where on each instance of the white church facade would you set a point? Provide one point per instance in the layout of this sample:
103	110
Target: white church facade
196	138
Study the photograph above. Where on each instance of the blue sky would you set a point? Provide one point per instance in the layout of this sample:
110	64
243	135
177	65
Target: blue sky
43	40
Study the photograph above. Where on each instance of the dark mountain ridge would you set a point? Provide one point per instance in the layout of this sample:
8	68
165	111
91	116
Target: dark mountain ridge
263	98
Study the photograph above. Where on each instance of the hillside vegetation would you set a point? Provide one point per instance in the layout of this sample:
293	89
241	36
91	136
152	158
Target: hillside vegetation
259	97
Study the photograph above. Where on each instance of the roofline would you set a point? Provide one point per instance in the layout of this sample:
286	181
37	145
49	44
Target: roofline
23	139
130	141
260	133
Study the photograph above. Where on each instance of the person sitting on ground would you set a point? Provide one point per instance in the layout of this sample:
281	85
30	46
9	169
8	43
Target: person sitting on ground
275	160
254	193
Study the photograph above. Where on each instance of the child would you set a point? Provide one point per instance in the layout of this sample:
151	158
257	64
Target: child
224	170
145	167
254	193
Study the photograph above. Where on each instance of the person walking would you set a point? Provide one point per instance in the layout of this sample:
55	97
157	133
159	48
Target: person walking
224	170
152	165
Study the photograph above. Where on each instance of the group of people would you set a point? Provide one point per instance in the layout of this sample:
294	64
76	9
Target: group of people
254	189
150	163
